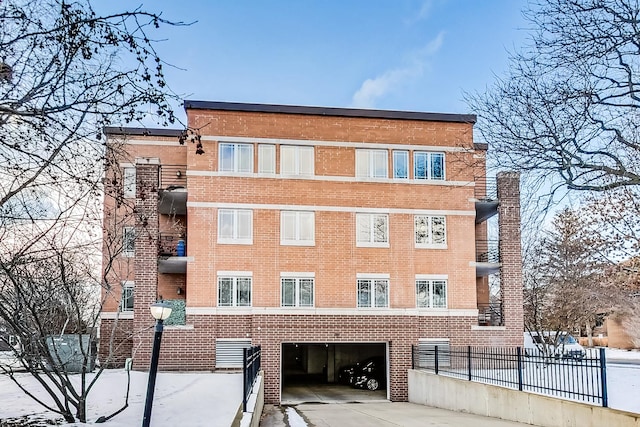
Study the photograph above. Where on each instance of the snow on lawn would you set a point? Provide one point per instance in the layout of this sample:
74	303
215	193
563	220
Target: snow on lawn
189	399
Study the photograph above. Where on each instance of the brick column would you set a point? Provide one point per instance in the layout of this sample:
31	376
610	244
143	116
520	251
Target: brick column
510	255
146	259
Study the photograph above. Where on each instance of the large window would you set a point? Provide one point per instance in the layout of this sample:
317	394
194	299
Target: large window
373	292
129	182
267	159
128	241
296	160
371	163
372	230
235	158
234	291
235	226
297	228
401	164
428	165
430	231
431	293
297	291
126	299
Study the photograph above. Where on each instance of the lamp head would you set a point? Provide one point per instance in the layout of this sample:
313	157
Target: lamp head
160	310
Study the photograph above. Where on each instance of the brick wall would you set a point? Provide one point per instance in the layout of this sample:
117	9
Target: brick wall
116	342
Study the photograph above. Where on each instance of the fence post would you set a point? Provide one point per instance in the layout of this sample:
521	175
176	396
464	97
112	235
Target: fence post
603	377
469	360
413	356
244	380
519	353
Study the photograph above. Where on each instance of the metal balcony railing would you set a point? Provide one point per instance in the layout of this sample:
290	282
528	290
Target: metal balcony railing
486	188
168	244
487	251
173	176
490	314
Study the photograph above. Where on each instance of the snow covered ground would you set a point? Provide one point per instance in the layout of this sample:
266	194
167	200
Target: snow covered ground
212	399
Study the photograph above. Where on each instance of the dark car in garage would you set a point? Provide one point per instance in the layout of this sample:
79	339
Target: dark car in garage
369	373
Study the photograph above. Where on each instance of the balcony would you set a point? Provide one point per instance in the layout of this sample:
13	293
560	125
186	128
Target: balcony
173	190
172	251
487	257
486	195
490	314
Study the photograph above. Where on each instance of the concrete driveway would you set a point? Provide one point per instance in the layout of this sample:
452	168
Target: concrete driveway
377	414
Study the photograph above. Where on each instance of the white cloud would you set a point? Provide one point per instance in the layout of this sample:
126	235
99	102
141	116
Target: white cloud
423	13
374	88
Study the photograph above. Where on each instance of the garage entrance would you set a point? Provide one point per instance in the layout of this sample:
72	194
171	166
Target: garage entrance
334	372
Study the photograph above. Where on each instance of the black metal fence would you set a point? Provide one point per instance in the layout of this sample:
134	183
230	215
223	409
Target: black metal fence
250	369
582	379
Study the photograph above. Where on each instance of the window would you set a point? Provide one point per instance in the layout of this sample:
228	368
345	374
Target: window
431	293
372	230
129	182
234	291
371	164
373	293
267	159
235	226
297	291
235	158
297	228
428	165
126	299
430	231
401	164
128	241
296	160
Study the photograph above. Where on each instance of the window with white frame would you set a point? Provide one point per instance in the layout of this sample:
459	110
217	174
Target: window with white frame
373	292
428	165
431	293
128	241
129	181
126	299
372	230
235	158
296	160
296	291
400	164
234	291
267	159
430	231
371	163
297	228
235	226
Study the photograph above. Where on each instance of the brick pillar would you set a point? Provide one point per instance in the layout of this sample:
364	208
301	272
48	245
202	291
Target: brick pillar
146	259
510	255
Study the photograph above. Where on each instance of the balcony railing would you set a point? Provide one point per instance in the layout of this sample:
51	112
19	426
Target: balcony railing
173	176
487	251
168	244
486	188
490	314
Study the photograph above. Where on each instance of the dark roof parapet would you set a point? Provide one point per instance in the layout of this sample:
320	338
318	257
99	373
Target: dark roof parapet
135	131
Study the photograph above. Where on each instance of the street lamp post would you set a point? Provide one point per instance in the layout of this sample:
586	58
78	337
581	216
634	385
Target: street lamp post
160	311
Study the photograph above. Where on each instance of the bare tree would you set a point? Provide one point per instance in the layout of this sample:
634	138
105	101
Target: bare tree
568	109
65	73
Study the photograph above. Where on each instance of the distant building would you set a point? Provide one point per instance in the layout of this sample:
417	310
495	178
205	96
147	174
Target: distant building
325	235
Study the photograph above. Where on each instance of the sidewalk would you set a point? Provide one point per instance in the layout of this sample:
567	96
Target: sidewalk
386	414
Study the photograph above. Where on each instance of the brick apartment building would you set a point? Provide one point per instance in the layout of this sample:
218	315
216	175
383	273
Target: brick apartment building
325	235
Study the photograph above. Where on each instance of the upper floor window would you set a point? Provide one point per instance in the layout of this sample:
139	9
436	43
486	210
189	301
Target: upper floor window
371	163
126	299
235	158
235	226
430	231
431	293
267	158
129	182
128	241
428	165
400	164
297	291
297	228
296	160
373	293
372	230
234	291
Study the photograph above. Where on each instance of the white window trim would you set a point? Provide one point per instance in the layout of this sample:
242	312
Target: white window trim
432	278
298	241
429	161
236	158
297	277
430	245
233	240
132	192
372	296
296	157
372	244
234	291
371	164
406	155
126	284
270	151
128	253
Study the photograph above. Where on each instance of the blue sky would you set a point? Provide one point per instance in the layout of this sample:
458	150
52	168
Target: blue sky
418	55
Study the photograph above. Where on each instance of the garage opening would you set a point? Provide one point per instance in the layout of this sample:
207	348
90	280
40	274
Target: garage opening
334	372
